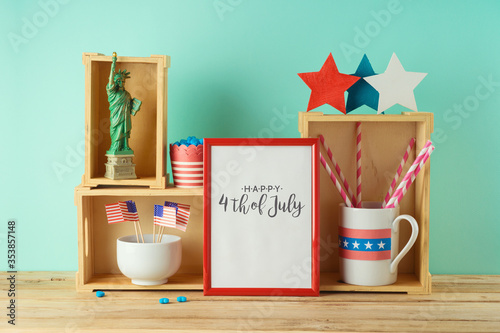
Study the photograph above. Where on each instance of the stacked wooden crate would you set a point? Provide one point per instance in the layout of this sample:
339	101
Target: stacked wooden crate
97	268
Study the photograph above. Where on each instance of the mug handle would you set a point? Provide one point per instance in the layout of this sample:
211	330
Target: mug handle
413	238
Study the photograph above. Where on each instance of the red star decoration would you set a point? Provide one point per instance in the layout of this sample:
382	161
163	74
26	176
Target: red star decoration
328	85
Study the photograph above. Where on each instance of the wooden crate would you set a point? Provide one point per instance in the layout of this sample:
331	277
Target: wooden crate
148	139
384	140
97	267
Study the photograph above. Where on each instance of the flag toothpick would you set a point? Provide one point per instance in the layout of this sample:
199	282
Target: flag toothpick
171	215
140	230
136	234
123	211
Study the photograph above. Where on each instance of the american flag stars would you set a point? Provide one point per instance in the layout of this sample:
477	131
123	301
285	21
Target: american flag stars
172	215
364	244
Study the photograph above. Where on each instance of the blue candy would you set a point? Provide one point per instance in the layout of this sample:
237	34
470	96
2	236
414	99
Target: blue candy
163	300
181	299
99	293
191	140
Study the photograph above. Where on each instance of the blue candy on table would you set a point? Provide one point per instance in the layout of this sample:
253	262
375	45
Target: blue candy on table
164	300
100	293
191	140
181	299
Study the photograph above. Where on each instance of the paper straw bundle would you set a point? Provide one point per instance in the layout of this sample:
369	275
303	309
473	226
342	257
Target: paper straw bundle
410	176
350	199
391	199
335	182
338	170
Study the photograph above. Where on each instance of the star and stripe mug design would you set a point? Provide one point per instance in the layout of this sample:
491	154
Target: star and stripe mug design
368	244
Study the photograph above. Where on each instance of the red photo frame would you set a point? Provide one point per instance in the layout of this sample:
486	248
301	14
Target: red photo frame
261	217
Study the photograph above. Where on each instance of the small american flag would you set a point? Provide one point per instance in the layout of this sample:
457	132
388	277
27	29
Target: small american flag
164	216
131	212
171	204
182	216
122	211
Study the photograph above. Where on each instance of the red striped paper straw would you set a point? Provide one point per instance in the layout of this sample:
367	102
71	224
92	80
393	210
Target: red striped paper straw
410	177
337	168
335	181
407	177
415	164
398	195
421	165
358	164
398	172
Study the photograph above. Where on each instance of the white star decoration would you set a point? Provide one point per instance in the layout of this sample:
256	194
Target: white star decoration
395	85
355	245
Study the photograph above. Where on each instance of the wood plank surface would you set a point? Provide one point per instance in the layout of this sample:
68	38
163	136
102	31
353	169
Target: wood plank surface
48	301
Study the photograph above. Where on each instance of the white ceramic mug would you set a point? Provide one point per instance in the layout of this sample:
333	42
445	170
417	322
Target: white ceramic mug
368	244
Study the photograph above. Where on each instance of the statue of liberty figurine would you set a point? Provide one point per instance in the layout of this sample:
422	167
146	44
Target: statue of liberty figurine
121	107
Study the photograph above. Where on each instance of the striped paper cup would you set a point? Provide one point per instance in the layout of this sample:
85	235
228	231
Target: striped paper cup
187	165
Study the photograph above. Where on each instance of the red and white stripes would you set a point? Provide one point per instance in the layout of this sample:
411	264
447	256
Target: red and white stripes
358	164
187	174
391	199
398	172
410	176
338	170
183	212
335	181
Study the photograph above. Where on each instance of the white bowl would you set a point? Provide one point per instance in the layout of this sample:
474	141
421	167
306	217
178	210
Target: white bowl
148	264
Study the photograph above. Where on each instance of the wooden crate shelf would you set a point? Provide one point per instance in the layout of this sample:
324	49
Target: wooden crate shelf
120	282
385	138
407	283
148	82
97	267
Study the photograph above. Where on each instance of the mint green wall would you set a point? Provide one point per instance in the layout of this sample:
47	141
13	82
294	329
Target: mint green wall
237	60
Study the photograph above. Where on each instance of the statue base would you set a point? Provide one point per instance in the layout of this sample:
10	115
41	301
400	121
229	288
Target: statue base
120	167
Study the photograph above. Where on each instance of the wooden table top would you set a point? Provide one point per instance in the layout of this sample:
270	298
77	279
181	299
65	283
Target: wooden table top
48	301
